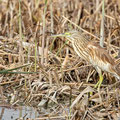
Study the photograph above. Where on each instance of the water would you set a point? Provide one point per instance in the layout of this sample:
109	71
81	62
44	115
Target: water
21	112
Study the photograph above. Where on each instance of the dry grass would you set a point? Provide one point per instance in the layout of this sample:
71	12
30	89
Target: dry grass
61	87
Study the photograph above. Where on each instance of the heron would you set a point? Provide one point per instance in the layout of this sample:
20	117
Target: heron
93	53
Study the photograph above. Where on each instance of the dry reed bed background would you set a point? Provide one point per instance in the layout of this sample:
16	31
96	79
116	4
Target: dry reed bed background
60	88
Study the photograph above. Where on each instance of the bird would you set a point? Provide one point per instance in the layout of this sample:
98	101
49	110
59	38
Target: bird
93	53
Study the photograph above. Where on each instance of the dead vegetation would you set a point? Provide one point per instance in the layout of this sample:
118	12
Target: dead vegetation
62	85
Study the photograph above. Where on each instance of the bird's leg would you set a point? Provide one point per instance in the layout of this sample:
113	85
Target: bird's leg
100	79
97	84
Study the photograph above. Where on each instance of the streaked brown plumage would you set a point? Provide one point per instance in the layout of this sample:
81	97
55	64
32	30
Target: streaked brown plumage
102	59
92	52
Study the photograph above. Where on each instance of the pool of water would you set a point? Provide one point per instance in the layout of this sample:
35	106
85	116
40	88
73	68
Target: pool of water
23	112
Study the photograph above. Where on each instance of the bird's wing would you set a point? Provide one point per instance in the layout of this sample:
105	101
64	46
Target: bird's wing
100	57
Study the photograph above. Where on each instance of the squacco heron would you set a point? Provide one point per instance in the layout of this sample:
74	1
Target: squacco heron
91	52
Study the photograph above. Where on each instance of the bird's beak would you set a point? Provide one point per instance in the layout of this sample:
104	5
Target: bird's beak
59	35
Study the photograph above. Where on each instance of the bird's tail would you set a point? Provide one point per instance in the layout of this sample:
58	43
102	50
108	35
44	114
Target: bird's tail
117	70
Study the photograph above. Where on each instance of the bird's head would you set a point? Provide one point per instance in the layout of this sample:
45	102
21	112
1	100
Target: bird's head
70	35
